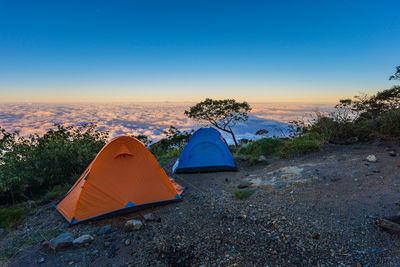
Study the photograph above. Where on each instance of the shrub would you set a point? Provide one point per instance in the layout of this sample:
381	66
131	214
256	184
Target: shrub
10	217
388	123
170	146
242	193
29	167
299	146
267	147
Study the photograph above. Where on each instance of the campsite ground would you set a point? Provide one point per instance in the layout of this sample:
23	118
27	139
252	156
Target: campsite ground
317	210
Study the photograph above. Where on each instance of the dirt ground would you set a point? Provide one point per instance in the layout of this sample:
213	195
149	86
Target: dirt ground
316	210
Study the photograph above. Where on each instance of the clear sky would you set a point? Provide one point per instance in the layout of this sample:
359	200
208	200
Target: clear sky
145	50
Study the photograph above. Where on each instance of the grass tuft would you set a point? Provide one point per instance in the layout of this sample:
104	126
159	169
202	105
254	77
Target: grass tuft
242	193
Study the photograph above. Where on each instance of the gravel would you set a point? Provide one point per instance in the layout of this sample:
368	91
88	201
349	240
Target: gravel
327	220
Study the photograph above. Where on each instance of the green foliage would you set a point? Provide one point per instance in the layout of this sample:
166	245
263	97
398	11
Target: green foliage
278	148
162	159
170	146
364	118
396	75
223	114
388	123
54	193
299	146
29	167
268	147
242	193
144	139
10	217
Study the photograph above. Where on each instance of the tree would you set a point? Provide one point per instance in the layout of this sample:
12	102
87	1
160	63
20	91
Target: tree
396	75
222	114
144	139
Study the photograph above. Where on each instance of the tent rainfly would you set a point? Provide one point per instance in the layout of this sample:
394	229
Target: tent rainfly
206	151
124	176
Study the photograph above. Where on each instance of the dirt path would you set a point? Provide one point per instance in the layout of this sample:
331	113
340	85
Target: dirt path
319	209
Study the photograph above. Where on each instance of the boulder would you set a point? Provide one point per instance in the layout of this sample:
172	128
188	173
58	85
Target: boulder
83	239
63	240
133	225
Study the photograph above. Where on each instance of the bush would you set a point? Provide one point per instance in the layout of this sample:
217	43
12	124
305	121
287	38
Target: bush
388	123
242	193
299	146
267	147
10	217
170	146
29	167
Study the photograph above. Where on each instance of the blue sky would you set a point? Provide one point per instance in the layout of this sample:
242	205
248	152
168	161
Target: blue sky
260	51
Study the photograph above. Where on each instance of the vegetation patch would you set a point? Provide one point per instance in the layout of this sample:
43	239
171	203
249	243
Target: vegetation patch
242	193
10	217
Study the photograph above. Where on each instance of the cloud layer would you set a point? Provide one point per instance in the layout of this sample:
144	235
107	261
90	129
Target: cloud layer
144	118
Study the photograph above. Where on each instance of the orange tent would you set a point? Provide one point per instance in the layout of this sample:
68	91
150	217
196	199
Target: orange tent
123	176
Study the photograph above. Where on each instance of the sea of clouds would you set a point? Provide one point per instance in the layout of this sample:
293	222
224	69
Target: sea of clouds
145	118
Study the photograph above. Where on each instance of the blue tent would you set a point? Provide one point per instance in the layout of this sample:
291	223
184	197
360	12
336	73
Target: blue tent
206	151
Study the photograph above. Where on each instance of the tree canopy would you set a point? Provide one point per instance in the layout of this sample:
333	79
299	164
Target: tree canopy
222	114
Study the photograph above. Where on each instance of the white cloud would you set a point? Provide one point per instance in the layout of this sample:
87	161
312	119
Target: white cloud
144	118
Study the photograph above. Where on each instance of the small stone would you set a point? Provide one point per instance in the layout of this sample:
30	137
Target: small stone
133	225
45	243
83	239
241	186
107	244
63	240
111	252
104	230
373	169
316	235
149	217
41	260
392	153
218	242
262	158
371	158
127	242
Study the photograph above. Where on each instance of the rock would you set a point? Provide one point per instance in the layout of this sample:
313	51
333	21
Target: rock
241	186
371	158
149	217
45	243
63	240
83	239
373	169
107	244
127	242
104	230
133	225
262	158
41	260
218	242
111	252
392	153
316	235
